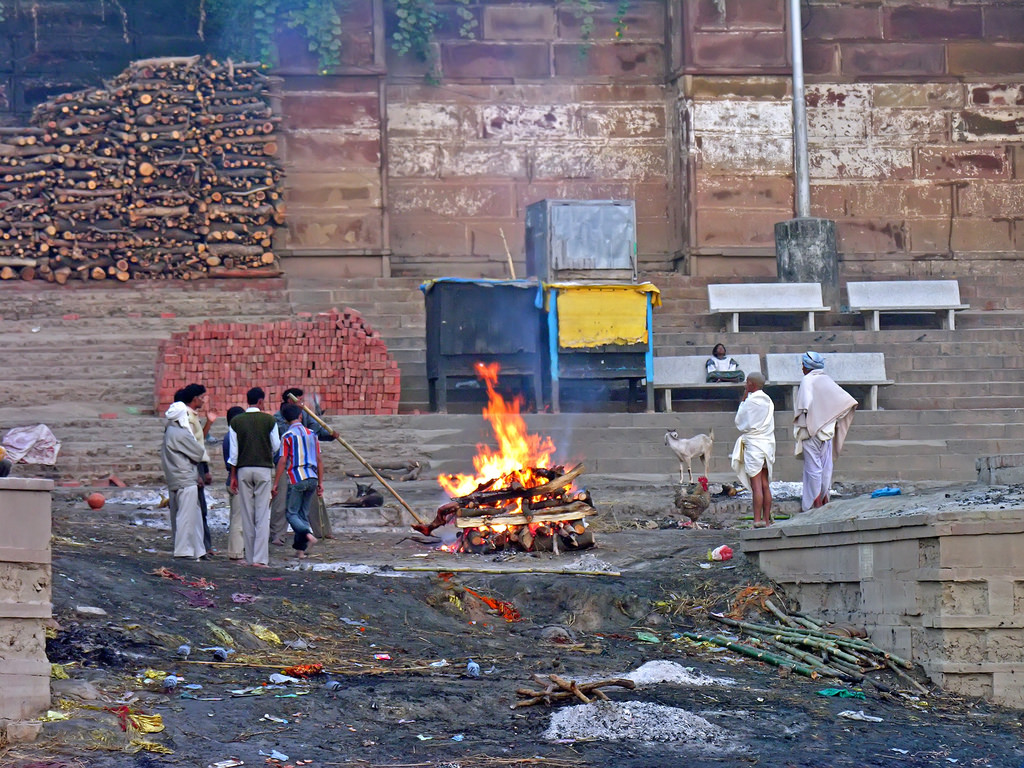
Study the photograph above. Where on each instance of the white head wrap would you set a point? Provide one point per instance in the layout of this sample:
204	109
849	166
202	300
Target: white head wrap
178	413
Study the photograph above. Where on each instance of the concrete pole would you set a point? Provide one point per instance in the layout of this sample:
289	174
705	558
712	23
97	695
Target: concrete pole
800	165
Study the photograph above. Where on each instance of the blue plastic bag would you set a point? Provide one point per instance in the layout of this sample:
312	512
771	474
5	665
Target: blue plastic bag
887	491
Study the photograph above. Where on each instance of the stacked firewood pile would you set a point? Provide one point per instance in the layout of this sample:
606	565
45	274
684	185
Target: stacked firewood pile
547	516
166	172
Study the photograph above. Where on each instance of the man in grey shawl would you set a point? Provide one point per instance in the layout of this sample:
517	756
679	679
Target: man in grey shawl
822	415
179	456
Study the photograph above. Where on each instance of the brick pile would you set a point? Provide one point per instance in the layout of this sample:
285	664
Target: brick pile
335	355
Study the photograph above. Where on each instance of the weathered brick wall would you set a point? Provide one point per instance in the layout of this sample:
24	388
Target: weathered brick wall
915	119
527	111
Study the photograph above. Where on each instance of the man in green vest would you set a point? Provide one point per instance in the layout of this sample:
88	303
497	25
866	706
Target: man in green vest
253	442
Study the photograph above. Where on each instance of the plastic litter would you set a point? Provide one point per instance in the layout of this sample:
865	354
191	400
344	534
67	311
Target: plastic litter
278	679
458	737
273	719
842	693
229	763
441	663
421	737
647	637
849	714
887	491
297	645
472	668
382	656
275	755
721	553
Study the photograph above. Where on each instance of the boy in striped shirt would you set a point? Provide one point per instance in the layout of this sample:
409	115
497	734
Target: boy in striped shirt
300	457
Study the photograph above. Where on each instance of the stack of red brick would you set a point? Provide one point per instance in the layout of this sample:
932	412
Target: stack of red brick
334	355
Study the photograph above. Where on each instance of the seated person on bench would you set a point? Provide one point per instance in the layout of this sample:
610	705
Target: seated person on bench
721	367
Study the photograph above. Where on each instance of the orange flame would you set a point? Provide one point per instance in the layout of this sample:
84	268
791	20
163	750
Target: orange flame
517	452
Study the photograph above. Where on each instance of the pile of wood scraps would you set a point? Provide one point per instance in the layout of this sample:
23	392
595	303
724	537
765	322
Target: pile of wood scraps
556	689
801	645
542	517
166	172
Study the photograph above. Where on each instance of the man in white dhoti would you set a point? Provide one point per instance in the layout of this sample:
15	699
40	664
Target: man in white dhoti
754	453
180	456
822	415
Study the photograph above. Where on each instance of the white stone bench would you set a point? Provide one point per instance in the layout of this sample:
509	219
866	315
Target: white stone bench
905	297
864	369
737	298
690	372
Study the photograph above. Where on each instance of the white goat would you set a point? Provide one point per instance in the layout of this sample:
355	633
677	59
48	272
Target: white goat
688	448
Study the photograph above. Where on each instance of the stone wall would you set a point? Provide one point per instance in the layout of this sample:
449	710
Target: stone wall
409	167
915	119
25	584
934	579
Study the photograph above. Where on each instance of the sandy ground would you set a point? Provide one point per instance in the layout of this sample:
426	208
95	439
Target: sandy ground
395	644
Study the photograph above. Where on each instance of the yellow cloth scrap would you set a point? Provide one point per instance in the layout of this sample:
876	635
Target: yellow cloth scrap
140	723
594	315
57	672
222	636
53	715
150	746
155	674
265	634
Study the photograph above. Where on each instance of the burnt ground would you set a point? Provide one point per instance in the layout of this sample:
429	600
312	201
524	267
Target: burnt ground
404	712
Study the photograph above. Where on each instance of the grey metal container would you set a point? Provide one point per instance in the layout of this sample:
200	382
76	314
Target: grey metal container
588	240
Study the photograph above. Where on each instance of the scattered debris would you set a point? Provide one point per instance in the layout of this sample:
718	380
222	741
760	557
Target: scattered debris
559	689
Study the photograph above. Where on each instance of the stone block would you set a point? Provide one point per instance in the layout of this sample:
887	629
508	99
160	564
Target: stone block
909	125
912	22
997	59
739	51
643	20
25	519
745	119
929	235
428	235
995	95
321	150
758	88
319	228
1008	687
861	162
24	585
734	153
990	125
1004	23
989	199
1000	598
978	163
427	119
600	160
522	21
843	22
821	59
631	61
908	95
741	192
482	159
892	59
624	122
331	110
22	731
982	235
977	684
414	159
453	199
871	235
828	200
529	122
736	228
763	14
336	189
923	199
476	60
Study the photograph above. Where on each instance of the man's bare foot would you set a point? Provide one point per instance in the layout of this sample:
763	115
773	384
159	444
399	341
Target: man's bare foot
311	539
277	542
259	565
300	554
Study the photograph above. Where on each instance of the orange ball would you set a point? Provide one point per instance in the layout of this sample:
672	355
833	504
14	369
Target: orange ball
95	500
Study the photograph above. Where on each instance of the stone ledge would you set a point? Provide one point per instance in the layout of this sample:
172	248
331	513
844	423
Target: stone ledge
25	484
966	668
21	731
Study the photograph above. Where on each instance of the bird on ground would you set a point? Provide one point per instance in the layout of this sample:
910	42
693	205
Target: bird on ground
472	668
332	685
184	650
170	683
692	499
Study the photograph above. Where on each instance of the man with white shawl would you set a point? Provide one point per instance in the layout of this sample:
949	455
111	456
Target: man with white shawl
180	456
754	453
822	415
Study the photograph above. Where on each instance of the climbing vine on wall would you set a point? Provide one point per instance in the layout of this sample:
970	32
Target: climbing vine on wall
248	28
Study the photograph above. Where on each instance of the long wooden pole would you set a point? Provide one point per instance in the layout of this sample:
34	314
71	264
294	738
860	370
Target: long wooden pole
361	460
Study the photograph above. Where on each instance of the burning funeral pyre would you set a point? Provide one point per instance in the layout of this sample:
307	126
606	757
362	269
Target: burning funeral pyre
517	499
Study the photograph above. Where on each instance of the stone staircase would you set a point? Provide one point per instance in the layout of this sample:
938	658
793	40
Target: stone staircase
74	354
